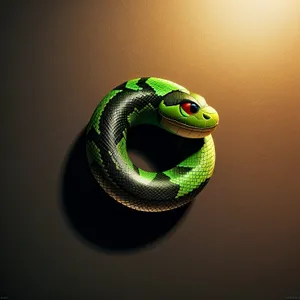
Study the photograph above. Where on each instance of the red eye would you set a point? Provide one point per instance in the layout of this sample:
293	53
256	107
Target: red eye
190	108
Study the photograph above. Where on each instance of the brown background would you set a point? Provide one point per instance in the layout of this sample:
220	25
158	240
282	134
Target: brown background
239	240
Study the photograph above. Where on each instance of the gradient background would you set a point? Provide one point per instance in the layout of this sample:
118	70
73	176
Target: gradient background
240	240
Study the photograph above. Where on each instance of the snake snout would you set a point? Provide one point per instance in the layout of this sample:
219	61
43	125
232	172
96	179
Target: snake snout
209	116
206	116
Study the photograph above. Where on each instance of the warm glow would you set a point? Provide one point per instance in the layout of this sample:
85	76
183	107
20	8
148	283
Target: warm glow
253	17
255	28
258	11
258	17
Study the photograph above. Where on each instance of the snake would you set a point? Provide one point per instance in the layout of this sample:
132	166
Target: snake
169	106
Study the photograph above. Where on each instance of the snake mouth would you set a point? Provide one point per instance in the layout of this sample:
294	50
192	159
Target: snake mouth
187	131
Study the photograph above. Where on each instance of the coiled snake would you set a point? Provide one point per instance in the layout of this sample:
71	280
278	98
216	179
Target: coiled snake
162	103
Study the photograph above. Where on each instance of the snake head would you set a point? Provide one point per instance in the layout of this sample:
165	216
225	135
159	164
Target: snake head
187	115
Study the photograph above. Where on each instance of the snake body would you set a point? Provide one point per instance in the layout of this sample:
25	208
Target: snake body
161	103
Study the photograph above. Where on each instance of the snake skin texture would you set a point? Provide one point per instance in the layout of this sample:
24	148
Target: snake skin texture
132	103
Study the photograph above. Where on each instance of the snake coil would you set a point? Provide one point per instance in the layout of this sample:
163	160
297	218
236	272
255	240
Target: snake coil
161	103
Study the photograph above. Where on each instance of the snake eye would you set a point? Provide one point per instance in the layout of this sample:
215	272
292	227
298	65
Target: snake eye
190	107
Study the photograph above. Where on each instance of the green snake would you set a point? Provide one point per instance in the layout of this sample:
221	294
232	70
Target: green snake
163	103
